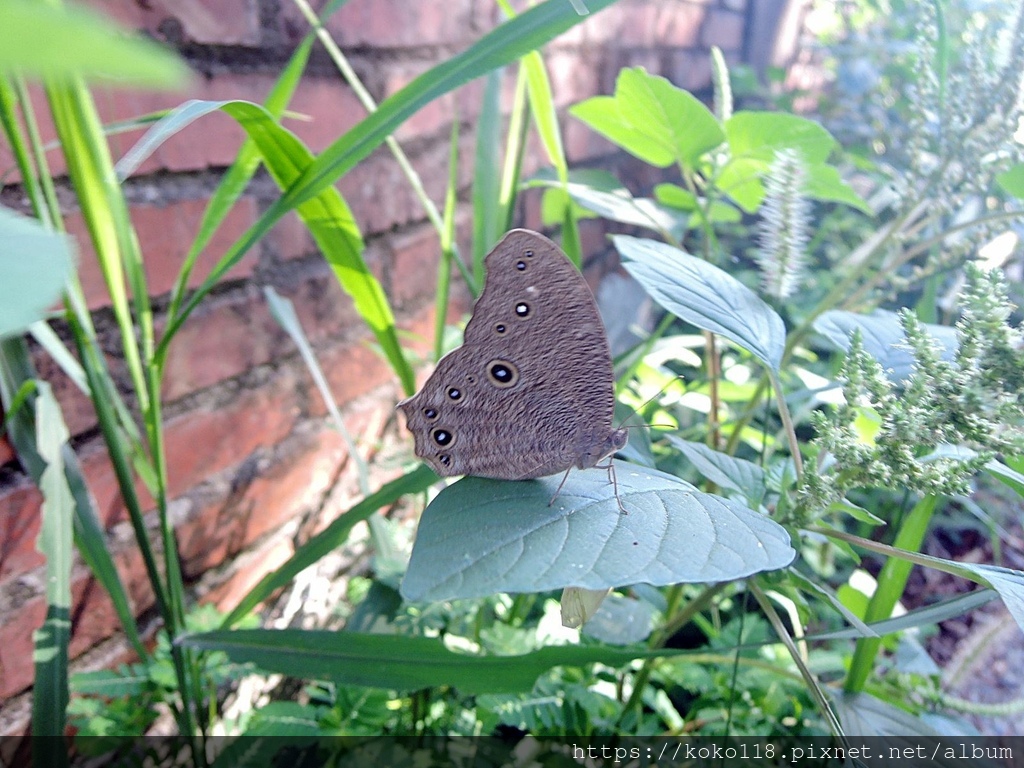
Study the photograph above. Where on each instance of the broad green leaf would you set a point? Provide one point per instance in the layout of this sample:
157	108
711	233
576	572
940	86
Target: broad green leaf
760	135
675	196
480	536
883	338
34	263
400	662
56	41
652	119
824	183
741	180
1012	180
705	296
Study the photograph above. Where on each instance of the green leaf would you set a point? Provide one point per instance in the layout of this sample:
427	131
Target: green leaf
724	470
883	338
50	690
705	296
824	183
1008	583
760	135
1012	180
652	119
480	536
1010	477
528	31
54	41
676	197
399	662
741	180
126	681
864	715
35	263
327	216
621	206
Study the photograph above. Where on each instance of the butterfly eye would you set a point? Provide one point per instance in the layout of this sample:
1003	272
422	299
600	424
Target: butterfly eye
442	437
502	374
527	254
499	328
454	393
520	265
430	413
522	309
445	459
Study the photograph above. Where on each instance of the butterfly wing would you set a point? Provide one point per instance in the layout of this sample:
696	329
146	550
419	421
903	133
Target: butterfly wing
530	392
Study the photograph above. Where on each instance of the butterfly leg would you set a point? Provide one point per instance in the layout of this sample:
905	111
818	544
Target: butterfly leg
614	483
558	490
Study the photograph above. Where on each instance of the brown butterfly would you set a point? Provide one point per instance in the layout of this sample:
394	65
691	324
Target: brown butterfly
530	391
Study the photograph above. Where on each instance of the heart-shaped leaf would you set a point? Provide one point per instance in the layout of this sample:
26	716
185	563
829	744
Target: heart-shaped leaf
481	536
652	119
704	295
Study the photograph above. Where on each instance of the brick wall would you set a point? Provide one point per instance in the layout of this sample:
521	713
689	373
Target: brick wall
251	460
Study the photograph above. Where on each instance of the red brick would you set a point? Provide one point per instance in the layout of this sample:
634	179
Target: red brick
75	405
289	239
415	255
16	670
328	108
286	489
573	76
397	23
324	309
165	234
690	70
6	451
223	337
213	22
19	527
206	441
381	212
351	370
436	117
253	567
93	619
102	482
677	25
724	29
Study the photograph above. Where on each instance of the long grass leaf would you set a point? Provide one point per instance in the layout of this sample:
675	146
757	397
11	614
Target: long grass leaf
50	692
328	219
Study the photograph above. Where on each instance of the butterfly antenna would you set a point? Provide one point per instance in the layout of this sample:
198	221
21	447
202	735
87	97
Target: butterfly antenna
644	404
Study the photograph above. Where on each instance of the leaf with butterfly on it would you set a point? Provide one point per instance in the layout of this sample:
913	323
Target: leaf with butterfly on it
480	536
705	296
